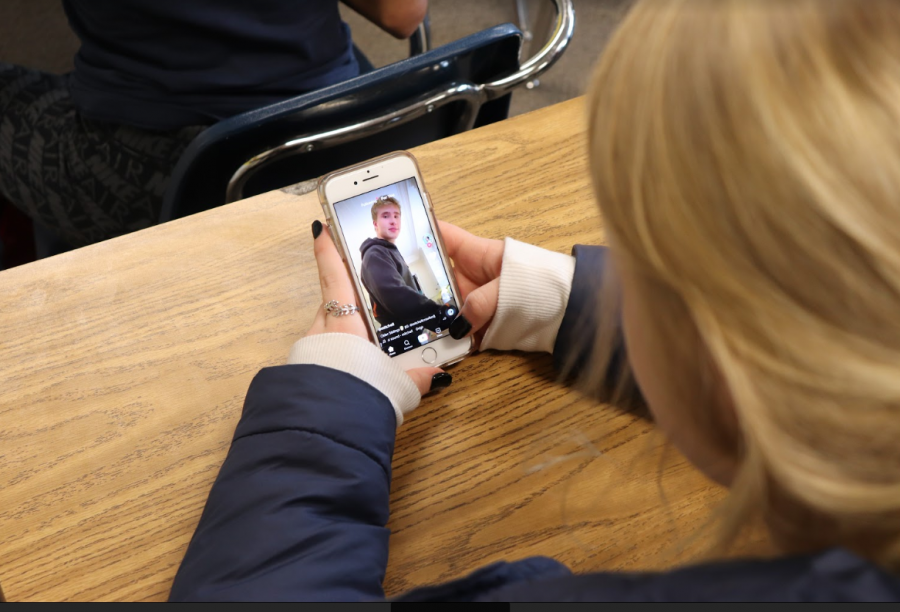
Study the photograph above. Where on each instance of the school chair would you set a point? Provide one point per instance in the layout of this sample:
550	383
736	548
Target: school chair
431	95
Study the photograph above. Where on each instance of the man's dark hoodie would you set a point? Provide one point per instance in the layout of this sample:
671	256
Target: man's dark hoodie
394	295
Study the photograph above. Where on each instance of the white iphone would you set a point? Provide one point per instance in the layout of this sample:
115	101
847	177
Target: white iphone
382	221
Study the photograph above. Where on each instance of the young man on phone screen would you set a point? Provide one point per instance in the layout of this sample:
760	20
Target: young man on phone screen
392	290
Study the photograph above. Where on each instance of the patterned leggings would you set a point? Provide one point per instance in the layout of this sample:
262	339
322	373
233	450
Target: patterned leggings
86	180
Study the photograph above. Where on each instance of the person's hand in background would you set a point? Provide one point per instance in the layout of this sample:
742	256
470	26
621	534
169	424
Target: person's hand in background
399	18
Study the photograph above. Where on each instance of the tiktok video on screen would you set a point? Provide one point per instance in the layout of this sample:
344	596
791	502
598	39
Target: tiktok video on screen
406	289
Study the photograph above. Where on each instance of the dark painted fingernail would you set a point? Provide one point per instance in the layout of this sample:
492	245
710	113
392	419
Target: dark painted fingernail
317	228
441	380
460	327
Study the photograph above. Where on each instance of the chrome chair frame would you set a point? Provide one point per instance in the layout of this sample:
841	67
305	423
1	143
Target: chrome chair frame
473	95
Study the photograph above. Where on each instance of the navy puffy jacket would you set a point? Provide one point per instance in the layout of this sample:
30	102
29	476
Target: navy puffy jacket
299	508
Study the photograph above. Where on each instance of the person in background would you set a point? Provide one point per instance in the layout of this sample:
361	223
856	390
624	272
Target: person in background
746	161
89	154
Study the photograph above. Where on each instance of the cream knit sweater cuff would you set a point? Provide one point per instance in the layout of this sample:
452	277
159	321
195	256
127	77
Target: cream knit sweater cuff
534	289
362	359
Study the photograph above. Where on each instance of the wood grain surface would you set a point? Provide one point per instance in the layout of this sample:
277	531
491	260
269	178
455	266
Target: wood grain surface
123	368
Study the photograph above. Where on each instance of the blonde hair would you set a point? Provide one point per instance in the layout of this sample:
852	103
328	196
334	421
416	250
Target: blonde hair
380	203
746	159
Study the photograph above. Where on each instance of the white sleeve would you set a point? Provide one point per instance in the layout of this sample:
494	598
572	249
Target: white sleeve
534	289
362	359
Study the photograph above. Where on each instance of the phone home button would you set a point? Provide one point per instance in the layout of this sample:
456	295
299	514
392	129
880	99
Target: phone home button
429	355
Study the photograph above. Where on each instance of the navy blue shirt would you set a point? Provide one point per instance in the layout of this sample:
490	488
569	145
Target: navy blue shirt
164	65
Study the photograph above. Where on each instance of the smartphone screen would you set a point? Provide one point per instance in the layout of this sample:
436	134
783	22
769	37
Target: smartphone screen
393	251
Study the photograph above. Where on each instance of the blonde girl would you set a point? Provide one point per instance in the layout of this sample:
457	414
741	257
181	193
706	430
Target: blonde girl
746	160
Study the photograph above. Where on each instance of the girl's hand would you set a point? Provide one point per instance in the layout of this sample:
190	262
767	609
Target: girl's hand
477	263
337	286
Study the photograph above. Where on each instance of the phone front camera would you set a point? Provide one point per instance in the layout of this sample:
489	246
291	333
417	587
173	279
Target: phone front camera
355	183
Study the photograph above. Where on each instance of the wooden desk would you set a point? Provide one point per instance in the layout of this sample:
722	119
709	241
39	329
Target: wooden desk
124	366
